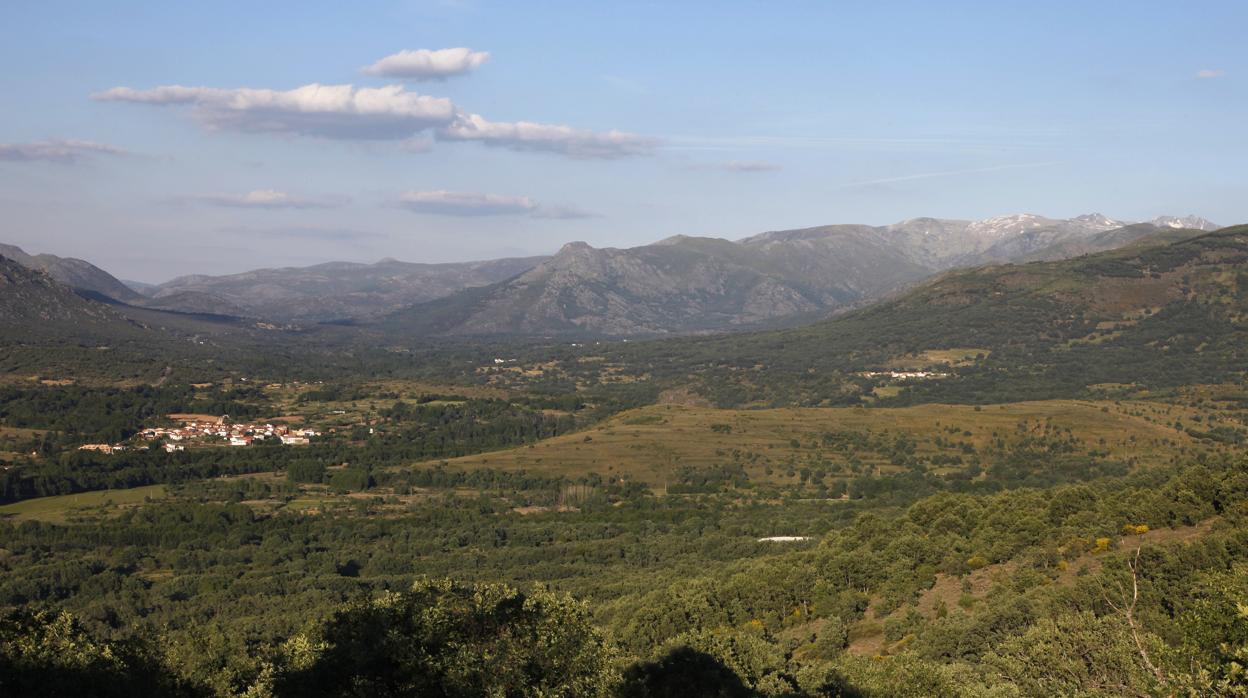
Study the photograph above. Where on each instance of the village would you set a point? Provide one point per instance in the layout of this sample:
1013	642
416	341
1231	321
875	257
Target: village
210	430
916	375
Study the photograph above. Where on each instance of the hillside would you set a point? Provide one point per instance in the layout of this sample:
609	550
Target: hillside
35	306
679	285
331	291
72	272
696	285
1145	316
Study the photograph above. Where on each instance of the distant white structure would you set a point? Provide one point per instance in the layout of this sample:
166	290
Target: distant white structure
921	375
783	539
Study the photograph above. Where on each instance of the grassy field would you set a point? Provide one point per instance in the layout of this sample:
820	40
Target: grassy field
58	509
651	443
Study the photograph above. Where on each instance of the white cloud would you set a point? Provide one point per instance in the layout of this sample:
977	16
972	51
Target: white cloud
383	113
1207	74
62	151
328	111
528	136
270	199
426	64
453	203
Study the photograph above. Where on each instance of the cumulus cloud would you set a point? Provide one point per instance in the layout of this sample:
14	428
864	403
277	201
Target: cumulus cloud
270	199
426	64
1207	74
328	111
565	140
453	203
383	113
61	151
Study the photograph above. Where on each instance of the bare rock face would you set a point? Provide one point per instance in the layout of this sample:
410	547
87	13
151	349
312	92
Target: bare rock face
1184	222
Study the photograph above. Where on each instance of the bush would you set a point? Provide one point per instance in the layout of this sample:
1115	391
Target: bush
447	639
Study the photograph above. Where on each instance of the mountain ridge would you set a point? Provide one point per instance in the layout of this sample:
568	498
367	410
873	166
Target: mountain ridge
687	284
73	272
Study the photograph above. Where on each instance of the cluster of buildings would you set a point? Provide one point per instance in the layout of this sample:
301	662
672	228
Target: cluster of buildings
905	374
107	449
237	434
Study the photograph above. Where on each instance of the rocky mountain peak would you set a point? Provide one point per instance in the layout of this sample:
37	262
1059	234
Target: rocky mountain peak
1189	222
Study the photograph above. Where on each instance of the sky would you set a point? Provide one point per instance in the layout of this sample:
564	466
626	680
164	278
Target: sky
157	139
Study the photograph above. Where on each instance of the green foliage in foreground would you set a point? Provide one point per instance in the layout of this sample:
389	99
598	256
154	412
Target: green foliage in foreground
446	639
244	604
53	655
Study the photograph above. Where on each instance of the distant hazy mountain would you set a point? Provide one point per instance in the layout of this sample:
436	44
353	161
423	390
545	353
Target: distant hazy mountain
141	287
331	291
73	272
686	284
680	284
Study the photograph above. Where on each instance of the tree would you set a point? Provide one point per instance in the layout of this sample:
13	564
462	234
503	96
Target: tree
443	639
681	673
1076	654
52	654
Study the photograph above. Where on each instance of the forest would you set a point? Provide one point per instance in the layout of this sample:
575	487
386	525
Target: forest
1045	495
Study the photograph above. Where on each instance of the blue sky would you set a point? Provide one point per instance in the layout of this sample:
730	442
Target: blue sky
614	123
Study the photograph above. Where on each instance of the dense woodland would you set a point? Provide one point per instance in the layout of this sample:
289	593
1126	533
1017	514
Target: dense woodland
1027	561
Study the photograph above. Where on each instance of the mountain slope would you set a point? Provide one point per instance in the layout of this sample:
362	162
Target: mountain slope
1147	315
331	291
72	272
678	285
34	306
694	285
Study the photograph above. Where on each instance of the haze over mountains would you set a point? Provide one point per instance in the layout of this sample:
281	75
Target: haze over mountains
678	285
72	272
687	284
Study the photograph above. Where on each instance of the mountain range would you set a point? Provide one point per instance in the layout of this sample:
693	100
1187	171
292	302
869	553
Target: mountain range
678	285
1161	312
689	284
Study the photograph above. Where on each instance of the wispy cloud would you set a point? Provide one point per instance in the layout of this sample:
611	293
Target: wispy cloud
269	199
452	203
565	140
425	64
59	151
562	213
917	143
744	166
1208	74
945	173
